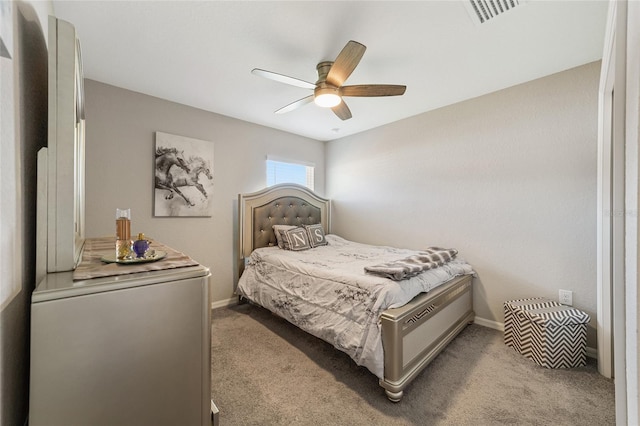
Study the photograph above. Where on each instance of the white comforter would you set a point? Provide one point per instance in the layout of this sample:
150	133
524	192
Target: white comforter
326	292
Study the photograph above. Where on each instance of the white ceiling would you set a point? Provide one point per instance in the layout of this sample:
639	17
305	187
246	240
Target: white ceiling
201	53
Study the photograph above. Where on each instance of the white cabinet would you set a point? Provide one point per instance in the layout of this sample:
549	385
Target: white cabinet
125	350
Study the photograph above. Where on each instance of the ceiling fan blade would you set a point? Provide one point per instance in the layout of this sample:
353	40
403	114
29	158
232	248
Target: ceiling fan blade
345	63
283	78
295	105
373	90
342	111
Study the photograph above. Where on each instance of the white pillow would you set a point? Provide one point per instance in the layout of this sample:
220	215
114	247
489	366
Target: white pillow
278	230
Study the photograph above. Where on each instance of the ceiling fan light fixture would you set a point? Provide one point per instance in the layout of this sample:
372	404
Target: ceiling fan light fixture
327	100
327	97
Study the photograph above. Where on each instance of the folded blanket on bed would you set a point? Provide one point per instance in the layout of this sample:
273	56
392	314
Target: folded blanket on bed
413	265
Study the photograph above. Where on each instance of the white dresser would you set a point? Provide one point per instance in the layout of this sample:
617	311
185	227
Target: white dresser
123	350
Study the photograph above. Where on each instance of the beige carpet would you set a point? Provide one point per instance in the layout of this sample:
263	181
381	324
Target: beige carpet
267	372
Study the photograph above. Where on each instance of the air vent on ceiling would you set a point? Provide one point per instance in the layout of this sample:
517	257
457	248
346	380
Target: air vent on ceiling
485	10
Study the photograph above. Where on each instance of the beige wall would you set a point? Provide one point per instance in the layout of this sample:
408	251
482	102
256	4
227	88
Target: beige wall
24	75
509	179
120	129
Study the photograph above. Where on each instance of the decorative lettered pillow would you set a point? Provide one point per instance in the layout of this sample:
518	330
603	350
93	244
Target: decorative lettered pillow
297	239
316	235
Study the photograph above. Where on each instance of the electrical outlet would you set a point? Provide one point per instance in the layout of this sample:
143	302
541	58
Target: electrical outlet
565	297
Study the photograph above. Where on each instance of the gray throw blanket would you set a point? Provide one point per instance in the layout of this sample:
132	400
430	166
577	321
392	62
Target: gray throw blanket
413	265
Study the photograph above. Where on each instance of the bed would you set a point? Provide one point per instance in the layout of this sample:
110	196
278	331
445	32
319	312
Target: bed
393	328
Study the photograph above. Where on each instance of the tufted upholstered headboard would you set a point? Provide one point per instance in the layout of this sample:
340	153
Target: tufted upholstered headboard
284	204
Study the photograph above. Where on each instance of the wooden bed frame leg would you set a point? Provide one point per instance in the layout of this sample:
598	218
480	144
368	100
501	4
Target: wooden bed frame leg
242	300
394	396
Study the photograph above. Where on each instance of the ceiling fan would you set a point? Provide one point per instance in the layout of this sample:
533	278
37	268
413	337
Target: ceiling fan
329	90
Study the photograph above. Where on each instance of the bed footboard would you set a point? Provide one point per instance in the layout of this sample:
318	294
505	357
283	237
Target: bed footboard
415	333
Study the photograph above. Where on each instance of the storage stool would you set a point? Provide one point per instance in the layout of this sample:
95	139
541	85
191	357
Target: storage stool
513	325
550	334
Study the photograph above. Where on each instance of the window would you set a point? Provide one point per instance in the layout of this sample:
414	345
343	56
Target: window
279	171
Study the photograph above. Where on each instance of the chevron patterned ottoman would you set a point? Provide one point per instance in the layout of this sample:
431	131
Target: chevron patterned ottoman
550	334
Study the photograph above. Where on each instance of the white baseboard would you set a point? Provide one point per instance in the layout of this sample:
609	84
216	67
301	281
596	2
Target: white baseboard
489	323
591	352
224	303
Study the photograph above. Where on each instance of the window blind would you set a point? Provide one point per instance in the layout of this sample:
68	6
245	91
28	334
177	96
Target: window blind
287	172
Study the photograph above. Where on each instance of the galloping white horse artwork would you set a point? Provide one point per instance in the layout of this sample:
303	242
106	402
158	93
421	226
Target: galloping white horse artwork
183	176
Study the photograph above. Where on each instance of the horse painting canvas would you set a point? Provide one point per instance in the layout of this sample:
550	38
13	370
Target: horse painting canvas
183	176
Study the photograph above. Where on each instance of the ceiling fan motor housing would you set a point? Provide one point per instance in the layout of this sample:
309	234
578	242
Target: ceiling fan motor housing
325	94
323	69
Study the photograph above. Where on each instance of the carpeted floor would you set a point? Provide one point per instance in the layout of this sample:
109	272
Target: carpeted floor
267	372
